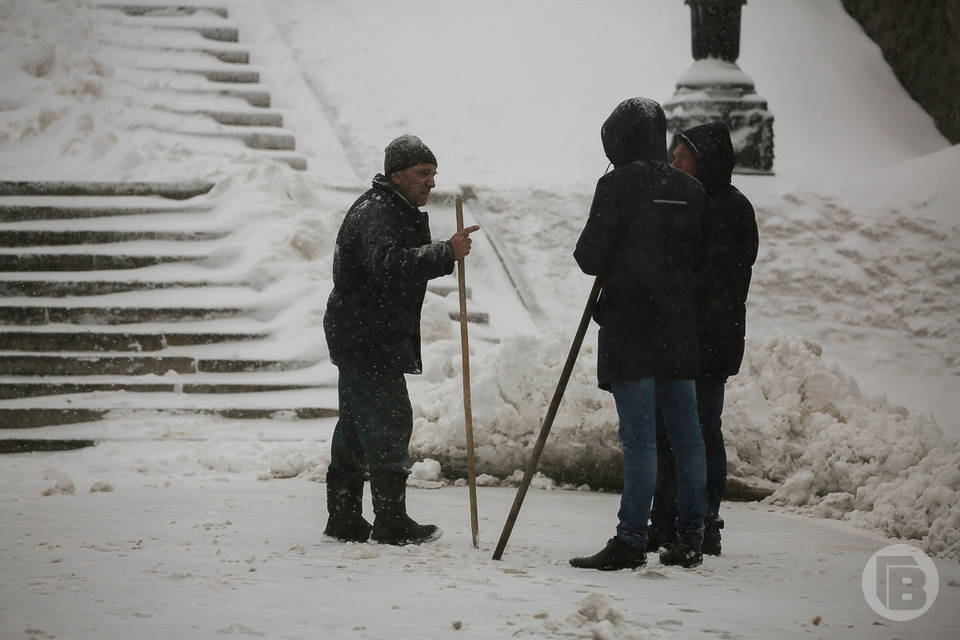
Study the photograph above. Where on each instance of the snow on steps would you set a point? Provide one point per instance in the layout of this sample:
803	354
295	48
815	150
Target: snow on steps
113	341
138	9
160	60
78	356
168	190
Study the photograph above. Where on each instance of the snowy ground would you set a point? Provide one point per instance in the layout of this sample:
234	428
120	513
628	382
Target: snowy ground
182	545
855	297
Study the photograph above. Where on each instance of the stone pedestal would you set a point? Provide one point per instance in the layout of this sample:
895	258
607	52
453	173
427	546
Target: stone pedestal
714	87
712	90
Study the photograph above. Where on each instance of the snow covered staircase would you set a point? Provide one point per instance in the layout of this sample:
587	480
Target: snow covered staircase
187	67
91	322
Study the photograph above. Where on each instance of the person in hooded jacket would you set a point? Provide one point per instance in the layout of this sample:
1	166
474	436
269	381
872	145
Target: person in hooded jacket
382	261
642	239
706	152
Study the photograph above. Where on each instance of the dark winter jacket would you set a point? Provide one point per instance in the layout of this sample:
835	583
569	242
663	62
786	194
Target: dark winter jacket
732	240
381	265
643	240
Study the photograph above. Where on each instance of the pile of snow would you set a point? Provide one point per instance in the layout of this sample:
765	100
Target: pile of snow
792	423
597	616
53	83
837	454
511	386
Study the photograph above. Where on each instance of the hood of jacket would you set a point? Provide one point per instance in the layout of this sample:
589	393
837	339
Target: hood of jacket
636	130
711	147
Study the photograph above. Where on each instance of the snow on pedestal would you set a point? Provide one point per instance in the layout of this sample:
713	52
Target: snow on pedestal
713	89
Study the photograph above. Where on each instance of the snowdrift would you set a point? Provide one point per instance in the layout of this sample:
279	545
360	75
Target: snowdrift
793	425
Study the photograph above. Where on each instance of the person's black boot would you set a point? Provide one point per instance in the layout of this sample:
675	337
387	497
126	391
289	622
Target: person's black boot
613	557
392	525
657	539
682	555
345	520
711	536
711	547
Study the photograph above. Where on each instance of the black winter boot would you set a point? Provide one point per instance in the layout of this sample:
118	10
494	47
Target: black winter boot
657	539
345	520
711	547
711	536
613	557
683	555
392	525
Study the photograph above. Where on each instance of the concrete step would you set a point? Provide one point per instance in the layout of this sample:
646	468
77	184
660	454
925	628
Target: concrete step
36	315
307	403
210	32
112	364
233	76
245	118
43	238
112	341
27	418
38	388
172	190
253	97
444	289
63	288
29	445
295	160
163	9
21	262
185	220
477	317
26	212
227	55
266	140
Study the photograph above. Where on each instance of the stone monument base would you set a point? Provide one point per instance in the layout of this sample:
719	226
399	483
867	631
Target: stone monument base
751	125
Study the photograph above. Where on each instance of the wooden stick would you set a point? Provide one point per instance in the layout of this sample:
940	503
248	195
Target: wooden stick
548	420
467	411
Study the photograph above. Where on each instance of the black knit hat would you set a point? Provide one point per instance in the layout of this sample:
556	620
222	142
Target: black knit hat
405	152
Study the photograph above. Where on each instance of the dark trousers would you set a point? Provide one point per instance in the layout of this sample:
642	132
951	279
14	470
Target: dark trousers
663	514
374	429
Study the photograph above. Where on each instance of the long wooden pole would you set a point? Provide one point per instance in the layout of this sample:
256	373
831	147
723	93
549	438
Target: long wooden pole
467	410
548	419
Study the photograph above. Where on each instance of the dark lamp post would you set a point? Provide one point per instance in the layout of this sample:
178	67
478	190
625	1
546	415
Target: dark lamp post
715	28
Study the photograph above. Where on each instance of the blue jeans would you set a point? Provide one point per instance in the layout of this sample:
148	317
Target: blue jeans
710	409
637	402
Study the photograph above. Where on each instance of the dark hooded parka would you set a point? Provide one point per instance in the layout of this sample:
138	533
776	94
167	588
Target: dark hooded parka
643	239
731	233
381	264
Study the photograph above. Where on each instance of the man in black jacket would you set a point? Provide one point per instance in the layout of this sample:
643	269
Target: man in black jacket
642	239
706	152
383	258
